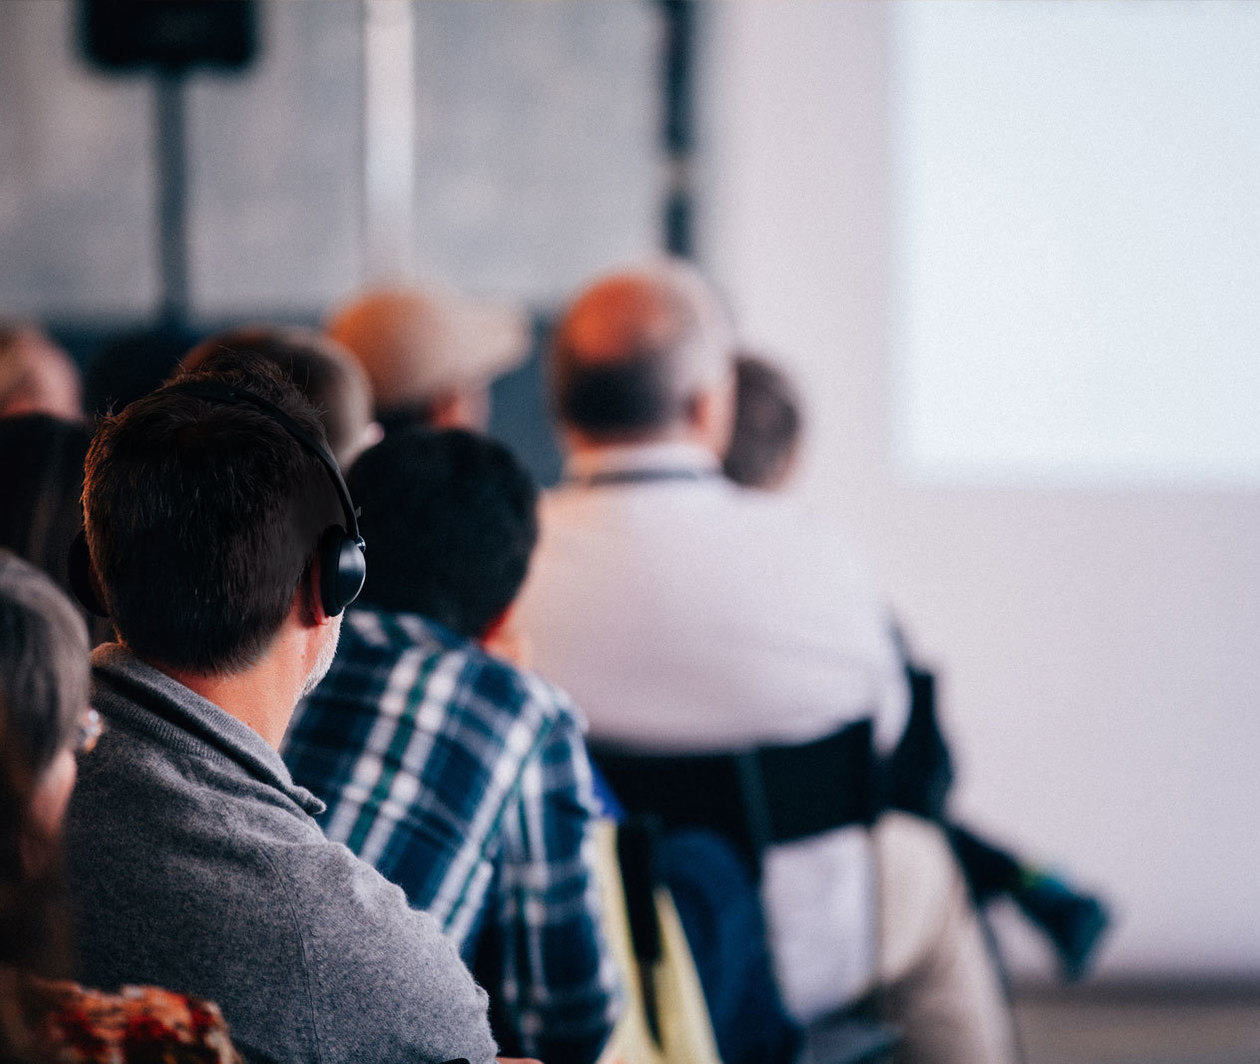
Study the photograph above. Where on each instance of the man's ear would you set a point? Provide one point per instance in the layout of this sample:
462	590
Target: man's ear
308	604
711	415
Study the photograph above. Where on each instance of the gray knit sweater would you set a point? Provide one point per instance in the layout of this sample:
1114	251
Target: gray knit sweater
197	867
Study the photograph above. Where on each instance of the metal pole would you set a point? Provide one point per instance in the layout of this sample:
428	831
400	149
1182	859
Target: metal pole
678	132
172	175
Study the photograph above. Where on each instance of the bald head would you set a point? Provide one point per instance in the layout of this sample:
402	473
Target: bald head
638	351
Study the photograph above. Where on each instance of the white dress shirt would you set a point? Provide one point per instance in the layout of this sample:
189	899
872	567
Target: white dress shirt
686	614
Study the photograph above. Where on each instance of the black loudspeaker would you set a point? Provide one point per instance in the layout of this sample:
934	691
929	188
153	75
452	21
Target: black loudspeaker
173	35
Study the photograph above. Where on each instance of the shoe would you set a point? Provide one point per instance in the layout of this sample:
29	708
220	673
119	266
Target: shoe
1073	922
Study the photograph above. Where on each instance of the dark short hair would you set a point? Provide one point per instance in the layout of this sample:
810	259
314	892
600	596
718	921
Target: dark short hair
203	518
626	398
451	519
767	424
41	481
327	376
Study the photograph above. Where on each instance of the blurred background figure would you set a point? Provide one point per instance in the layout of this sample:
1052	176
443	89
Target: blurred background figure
45	723
919	773
766	438
36	376
493	836
429	353
324	372
41	482
701	626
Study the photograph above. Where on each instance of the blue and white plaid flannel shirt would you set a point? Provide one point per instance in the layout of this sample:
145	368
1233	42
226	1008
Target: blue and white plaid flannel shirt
466	781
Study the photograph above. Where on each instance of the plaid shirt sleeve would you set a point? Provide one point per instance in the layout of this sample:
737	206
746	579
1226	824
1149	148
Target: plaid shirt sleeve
559	985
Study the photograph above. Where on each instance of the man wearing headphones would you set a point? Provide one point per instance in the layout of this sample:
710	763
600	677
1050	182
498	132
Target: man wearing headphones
223	544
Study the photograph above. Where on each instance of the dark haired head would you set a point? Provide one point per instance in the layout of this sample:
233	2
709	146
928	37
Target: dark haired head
41	481
767	425
324	372
452	520
203	518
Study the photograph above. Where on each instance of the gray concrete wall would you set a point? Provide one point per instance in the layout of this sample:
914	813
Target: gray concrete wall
537	160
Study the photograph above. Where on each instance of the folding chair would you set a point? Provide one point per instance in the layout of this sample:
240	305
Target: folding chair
750	801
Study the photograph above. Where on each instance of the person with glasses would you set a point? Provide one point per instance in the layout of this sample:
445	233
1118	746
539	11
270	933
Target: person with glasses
46	725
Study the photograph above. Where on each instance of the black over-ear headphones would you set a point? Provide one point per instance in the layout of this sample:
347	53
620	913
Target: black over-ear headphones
342	565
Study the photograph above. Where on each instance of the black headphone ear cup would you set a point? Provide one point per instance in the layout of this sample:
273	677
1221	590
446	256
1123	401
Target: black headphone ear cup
82	576
342	569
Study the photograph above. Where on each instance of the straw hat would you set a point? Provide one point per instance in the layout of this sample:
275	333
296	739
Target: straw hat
417	344
36	376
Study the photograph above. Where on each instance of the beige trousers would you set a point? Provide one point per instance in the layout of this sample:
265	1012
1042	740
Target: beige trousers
939	982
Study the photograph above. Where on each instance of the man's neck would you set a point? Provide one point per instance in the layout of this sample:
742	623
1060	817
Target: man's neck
656	455
262	697
579	443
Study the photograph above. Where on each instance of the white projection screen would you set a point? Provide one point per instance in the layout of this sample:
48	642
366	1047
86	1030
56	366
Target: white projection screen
1076	272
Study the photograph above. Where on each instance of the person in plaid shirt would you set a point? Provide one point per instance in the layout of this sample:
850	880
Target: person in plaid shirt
462	777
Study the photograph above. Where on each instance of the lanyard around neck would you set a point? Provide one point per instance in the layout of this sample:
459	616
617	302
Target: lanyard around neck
616	477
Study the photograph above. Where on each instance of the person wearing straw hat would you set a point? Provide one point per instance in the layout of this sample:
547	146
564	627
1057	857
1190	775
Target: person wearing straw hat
430	352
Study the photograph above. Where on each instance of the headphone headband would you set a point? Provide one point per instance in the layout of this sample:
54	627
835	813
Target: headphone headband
230	394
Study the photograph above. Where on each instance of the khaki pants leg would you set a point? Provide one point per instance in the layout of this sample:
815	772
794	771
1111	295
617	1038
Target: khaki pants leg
940	985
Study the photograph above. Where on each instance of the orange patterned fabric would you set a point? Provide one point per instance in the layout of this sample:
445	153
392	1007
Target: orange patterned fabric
139	1025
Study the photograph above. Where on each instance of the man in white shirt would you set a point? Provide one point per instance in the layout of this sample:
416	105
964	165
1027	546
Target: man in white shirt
688	616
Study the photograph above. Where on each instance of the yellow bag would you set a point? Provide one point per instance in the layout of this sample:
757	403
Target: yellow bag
686	1033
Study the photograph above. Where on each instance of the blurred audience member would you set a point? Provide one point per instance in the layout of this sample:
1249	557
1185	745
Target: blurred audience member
765	439
324	372
41	481
44	722
41	486
484	764
762	454
217	528
686	615
132	364
430	353
36	376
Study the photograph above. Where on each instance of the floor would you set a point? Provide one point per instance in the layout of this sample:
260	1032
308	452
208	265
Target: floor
1113	1030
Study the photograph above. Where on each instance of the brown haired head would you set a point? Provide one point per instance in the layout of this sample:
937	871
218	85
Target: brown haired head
203	519
322	370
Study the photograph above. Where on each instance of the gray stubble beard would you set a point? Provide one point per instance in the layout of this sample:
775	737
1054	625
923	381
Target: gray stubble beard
324	662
